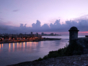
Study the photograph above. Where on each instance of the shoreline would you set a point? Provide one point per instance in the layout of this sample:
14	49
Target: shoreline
61	57
44	39
75	60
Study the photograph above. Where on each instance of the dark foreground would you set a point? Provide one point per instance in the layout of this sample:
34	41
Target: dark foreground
76	60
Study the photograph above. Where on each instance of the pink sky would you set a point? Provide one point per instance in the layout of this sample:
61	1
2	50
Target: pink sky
47	11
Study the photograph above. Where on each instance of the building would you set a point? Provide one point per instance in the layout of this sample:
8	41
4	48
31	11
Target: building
73	34
73	38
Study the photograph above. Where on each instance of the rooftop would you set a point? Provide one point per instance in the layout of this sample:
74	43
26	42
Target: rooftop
73	29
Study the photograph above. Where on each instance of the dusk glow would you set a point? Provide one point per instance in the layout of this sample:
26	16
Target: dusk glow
43	32
42	16
15	12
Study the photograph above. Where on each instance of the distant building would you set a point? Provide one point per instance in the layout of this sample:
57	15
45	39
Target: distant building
31	33
42	33
36	34
52	34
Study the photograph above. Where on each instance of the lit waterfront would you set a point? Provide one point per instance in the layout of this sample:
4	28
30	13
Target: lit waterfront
11	53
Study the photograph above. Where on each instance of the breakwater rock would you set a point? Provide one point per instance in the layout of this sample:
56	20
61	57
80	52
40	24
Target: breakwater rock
75	60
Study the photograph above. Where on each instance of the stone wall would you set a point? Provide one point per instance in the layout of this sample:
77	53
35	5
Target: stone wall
84	43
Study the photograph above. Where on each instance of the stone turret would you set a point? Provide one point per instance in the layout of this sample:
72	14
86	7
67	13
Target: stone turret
73	34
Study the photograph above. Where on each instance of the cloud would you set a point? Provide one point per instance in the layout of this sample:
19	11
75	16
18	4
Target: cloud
37	24
15	10
81	24
2	28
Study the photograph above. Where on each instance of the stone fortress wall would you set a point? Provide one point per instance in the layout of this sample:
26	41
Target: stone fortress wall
73	36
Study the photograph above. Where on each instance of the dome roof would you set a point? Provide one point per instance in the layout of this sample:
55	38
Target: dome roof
73	29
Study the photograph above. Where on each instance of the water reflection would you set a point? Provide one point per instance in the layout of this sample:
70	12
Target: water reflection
31	46
9	47
35	45
27	44
13	47
0	46
42	44
23	46
35	42
20	45
27	51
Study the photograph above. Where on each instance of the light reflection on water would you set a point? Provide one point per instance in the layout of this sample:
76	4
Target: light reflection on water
18	46
13	47
11	53
9	47
0	46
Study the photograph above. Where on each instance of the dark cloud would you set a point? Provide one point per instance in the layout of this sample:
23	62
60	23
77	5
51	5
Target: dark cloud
81	24
36	25
2	28
15	10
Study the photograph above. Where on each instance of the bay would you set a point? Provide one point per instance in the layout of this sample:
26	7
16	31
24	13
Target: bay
12	53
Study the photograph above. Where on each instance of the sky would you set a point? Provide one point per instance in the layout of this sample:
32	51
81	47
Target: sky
43	15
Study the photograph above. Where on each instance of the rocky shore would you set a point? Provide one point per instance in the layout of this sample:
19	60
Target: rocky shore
75	60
